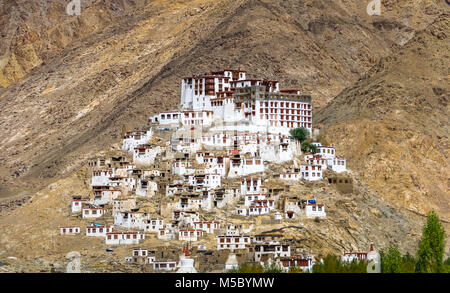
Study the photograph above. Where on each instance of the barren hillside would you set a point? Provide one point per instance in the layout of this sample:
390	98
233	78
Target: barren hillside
393	124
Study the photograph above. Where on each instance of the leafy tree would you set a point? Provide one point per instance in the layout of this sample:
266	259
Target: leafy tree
295	270
430	255
305	146
408	264
300	134
447	265
257	268
309	147
313	148
391	260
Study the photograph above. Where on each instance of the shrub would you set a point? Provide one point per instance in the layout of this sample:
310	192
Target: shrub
300	134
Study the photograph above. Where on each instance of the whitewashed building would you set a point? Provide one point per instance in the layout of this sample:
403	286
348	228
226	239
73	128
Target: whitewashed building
98	231
119	238
70	230
77	205
232	242
134	138
145	154
146	188
311	173
207	227
189	234
315	210
92	213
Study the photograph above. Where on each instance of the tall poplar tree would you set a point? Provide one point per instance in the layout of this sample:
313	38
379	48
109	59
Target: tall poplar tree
430	255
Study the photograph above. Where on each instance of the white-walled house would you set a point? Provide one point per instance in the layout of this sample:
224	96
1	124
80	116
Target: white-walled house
257	210
205	180
290	176
304	263
232	242
145	154
327	152
70	230
77	205
135	220
249	198
197	117
166	118
208	227
251	185
98	231
316	160
245	166
189	203
311	173
154	225
372	254
274	249
118	238
101	177
125	204
189	234
338	164
292	209
315	210
169	232
92	213
186	217
105	196
134	138
182	167
146	188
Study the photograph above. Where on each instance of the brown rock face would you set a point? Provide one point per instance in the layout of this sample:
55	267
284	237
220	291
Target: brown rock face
393	124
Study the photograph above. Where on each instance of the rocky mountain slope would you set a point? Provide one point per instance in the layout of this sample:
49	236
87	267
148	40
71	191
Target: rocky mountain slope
393	124
72	82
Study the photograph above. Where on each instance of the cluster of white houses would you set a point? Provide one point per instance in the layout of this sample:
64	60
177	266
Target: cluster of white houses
227	133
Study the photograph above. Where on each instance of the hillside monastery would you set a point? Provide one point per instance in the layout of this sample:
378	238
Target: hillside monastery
227	156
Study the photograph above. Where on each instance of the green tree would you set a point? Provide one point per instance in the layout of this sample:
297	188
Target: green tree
313	148
447	265
430	255
300	134
391	260
305	146
408	264
295	270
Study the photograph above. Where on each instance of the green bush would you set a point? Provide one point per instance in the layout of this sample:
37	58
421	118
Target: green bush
333	264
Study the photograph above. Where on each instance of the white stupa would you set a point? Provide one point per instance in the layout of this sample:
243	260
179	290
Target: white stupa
374	260
373	254
231	262
186	264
